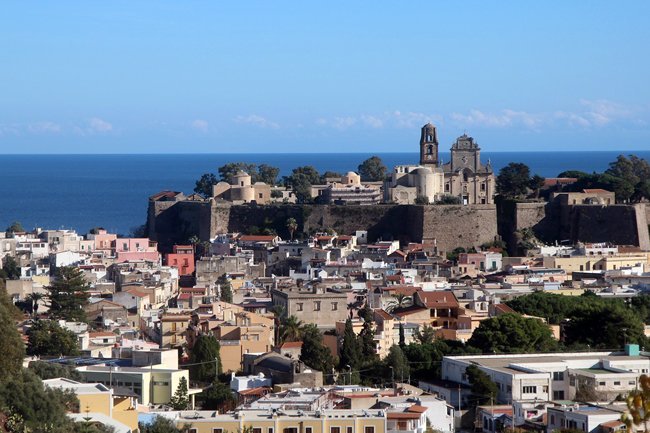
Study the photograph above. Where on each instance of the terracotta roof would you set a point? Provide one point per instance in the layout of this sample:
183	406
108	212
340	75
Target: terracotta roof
417	408
438	299
504	308
345	238
185	296
193	290
414	309
260	390
401	290
164	194
383	314
136	292
291	345
402	415
612	424
257	238
551	181
101	334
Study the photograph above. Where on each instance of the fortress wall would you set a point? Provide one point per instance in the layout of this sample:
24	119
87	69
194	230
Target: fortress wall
459	226
641	212
451	226
618	224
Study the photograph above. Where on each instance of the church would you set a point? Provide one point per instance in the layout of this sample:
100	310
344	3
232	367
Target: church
464	176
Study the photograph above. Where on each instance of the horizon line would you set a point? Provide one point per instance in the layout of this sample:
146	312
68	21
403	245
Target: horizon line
629	151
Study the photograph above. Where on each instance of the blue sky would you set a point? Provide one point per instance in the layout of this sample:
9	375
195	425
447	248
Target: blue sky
273	76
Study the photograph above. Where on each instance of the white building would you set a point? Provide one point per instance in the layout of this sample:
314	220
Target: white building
555	376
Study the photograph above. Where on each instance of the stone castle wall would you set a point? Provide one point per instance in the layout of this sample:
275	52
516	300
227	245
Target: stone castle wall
451	226
619	224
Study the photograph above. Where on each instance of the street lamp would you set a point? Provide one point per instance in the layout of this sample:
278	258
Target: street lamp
349	374
392	376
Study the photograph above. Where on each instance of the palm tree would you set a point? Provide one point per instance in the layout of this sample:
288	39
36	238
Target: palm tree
401	301
290	329
292	226
34	298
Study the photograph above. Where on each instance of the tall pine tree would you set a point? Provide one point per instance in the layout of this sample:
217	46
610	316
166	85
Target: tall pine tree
68	295
350	359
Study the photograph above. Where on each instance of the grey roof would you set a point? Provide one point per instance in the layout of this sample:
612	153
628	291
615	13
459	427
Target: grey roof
276	362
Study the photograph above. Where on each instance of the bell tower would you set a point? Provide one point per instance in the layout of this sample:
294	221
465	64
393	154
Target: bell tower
429	145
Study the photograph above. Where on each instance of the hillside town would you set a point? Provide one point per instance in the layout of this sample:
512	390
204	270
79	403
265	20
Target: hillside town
325	331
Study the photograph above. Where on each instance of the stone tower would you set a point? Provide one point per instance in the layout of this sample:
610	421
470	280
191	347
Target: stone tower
465	153
429	146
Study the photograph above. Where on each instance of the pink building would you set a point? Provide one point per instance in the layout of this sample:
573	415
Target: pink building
182	258
103	240
135	249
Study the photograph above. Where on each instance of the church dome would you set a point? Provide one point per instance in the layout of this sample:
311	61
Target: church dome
421	171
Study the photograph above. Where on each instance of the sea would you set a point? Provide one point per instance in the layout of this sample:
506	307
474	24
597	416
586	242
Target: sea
84	191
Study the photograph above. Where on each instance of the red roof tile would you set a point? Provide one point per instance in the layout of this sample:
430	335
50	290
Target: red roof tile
438	299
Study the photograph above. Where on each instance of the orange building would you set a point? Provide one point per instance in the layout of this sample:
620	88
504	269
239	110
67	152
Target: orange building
181	258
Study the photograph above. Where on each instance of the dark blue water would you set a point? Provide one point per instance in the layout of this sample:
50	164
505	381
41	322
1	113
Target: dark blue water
85	191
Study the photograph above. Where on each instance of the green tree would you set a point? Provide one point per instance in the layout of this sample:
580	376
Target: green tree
204	185
301	180
536	183
292	226
228	171
513	180
402	338
329	175
11	346
607	326
449	199
482	387
513	333
218	396
47	338
426	335
314	352
290	329
180	400
267	174
68	295
15	227
51	370
205	357
34	298
399	363
350	349
11	268
225	289
421	199
400	300
453	255
37	407
367	341
372	169
161	424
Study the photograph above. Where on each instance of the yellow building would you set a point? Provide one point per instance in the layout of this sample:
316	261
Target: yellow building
242	337
264	421
572	264
172	329
118	405
152	385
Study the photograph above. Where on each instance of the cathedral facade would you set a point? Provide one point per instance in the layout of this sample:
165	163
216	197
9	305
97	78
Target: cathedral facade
464	176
